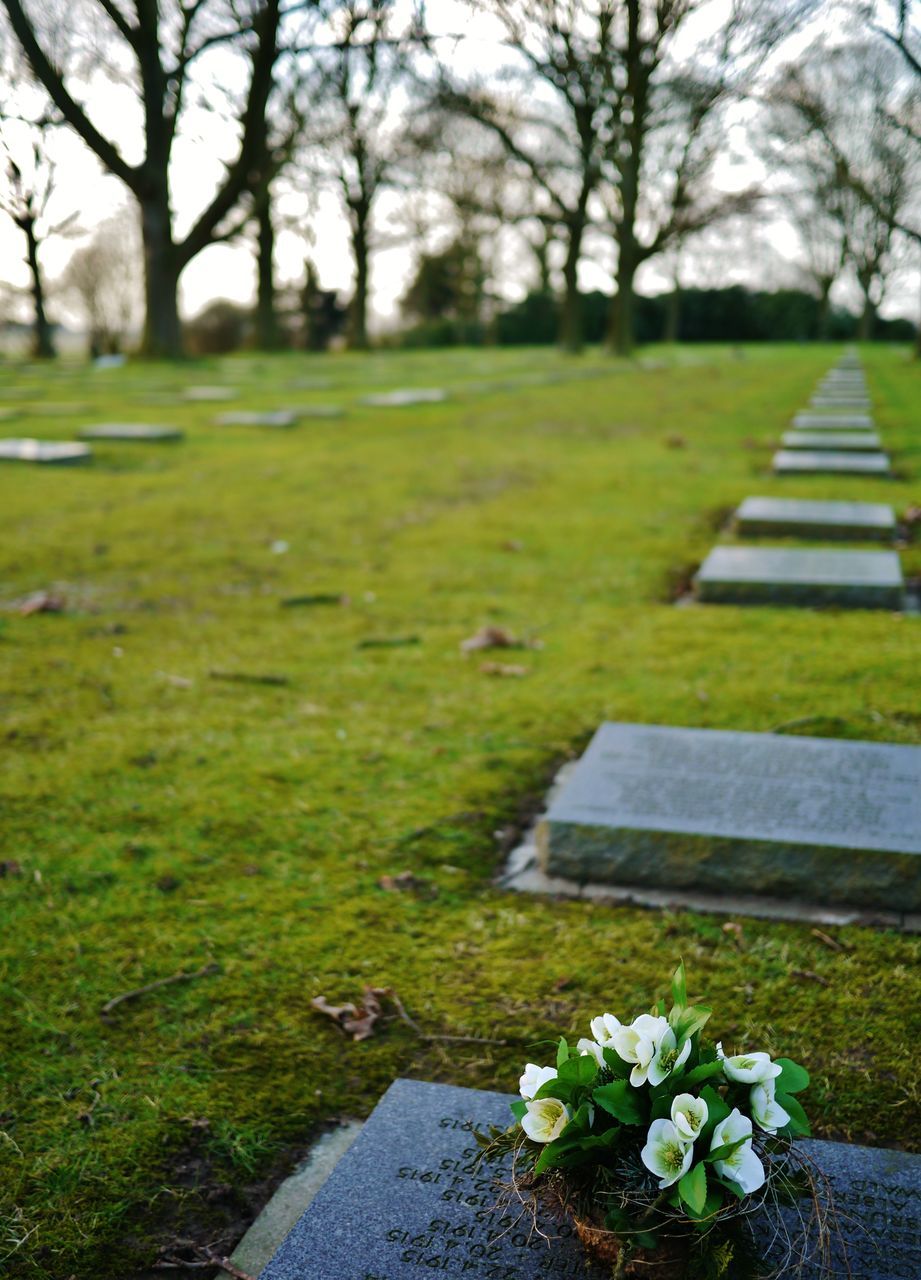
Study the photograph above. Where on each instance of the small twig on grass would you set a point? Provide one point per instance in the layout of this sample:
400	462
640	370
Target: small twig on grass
245	677
830	941
358	1021
205	972
802	721
209	1260
811	976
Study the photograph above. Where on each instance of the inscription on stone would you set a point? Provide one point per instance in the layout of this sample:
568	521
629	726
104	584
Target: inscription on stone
406	1202
817	819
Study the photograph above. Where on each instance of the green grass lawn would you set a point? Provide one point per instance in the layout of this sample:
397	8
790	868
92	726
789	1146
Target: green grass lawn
162	819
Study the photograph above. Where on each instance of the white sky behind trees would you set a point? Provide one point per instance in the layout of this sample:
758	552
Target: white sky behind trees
761	252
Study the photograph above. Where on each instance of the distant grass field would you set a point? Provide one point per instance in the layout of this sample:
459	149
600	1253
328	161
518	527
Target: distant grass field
158	818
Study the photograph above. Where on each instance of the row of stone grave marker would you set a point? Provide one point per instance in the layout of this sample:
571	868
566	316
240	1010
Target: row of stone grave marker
834	437
754	820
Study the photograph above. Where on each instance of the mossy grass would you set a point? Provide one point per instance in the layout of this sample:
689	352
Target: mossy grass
157	819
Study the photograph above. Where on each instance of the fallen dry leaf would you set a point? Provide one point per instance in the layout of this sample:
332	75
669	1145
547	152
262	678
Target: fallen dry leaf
42	602
513	544
675	442
912	515
503	669
406	882
356	1021
492	637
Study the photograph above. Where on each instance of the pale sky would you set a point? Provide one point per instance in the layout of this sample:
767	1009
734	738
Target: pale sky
767	259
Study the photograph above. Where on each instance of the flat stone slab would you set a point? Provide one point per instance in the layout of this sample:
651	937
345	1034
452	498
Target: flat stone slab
51	453
209	393
135	431
830	461
848	441
761	517
245	418
833	421
812	819
840	402
411	395
405	1202
780	575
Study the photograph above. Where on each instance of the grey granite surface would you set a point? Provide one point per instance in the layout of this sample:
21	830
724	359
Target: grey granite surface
848	441
828	461
140	432
807	518
49	452
814	819
788	575
405	1202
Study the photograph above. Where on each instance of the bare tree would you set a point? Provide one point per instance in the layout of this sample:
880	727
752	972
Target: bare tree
353	76
159	46
848	108
104	279
27	187
553	116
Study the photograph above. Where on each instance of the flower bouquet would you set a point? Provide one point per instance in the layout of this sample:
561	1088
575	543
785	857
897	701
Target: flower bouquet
658	1146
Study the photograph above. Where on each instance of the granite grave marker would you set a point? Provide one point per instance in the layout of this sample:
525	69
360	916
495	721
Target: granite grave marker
781	575
813	819
409	396
847	441
406	1202
140	432
830	461
247	418
759	517
47	452
833	421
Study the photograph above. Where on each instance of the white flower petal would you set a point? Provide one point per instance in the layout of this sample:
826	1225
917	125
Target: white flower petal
533	1077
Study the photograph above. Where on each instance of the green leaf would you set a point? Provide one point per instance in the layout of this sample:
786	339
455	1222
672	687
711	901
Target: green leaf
580	1070
693	1188
615	1063
793	1078
679	986
581	1122
717	1110
799	1122
620	1101
712	1206
692	1021
706	1071
553	1153
519	1108
562	1053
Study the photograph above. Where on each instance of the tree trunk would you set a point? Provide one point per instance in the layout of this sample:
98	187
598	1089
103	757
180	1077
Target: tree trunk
162	339
867	320
620	330
42	341
358	308
673	314
572	338
823	321
268	337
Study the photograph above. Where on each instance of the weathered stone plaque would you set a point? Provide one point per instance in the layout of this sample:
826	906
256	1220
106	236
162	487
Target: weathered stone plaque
761	517
833	422
840	400
847	441
137	431
317	411
815	819
209	393
406	1202
49	452
830	461
411	395
781	575
245	418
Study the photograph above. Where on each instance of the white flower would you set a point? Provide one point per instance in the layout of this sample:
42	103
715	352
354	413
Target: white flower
689	1115
666	1153
533	1077
545	1119
593	1048
748	1068
637	1044
603	1028
769	1114
742	1166
667	1056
